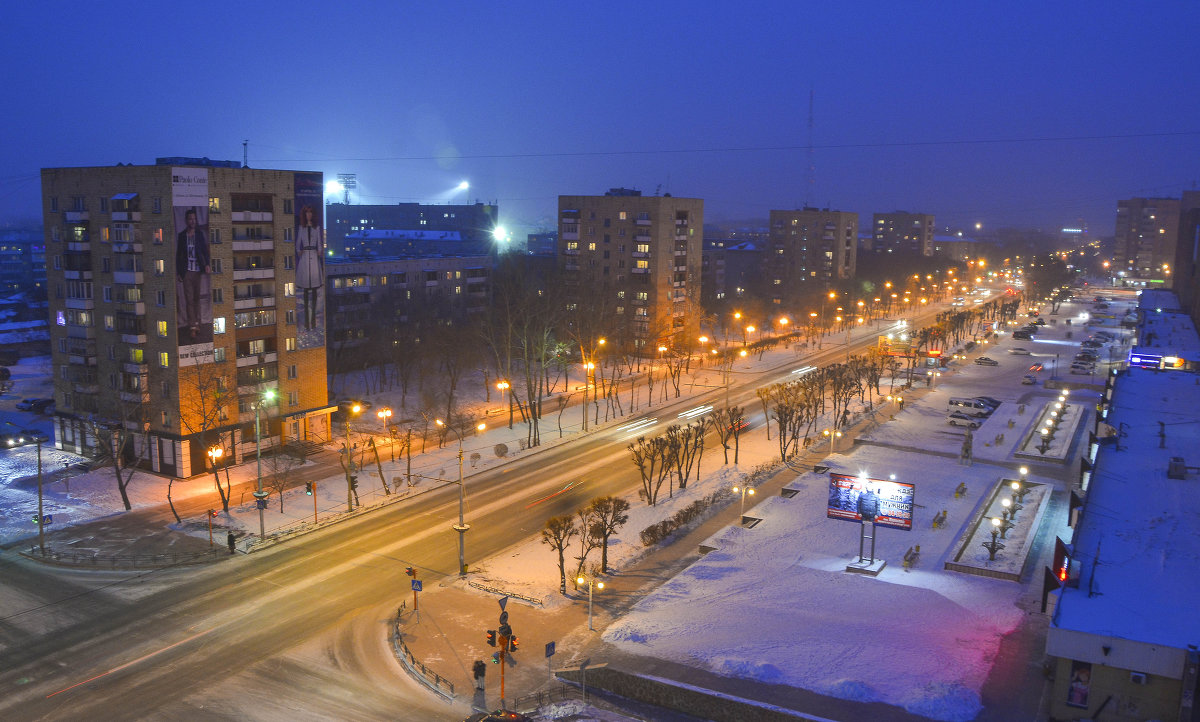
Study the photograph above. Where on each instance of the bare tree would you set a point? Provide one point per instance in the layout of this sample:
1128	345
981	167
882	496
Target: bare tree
589	540
204	397
280	466
653	460
557	534
608	514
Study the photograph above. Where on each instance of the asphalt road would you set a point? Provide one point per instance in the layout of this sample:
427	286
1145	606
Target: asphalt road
298	631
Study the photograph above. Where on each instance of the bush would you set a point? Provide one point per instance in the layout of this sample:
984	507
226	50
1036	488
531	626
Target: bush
501	450
659	531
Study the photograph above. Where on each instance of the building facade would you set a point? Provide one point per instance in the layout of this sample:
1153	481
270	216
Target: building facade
809	251
23	262
902	232
181	293
1146	233
634	261
474	223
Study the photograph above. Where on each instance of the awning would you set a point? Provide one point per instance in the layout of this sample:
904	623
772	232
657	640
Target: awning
124	196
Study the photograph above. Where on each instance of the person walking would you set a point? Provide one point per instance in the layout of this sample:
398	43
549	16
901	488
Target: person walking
231	541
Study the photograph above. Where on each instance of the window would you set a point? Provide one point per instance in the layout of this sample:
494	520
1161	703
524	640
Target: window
218	354
160	298
109	322
287	234
162	328
287	262
160	267
592	246
222	414
112	352
166	420
105	234
642	247
106	265
289	289
55	233
158	236
103	204
218	295
108	294
54	205
620	310
642	263
156	202
287	206
164	359
293	398
621	216
216	265
289	343
219	325
166	389
291	371
289	317
214	235
214	205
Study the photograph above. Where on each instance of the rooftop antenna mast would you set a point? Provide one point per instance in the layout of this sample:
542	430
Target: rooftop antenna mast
245	153
810	180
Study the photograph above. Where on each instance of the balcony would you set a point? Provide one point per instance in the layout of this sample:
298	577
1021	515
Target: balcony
80	304
135	397
79	247
681	236
642	221
134	368
249	274
76	216
257	359
681	269
639	270
127	247
241	303
82	359
84	332
127	215
83	275
642	238
570	251
251	216
133	278
571	267
137	308
254	245
133	338
86	388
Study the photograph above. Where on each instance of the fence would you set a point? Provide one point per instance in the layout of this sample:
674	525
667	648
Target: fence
416	668
125	561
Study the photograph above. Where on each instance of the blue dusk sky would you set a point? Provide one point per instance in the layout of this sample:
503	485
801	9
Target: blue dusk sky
1029	114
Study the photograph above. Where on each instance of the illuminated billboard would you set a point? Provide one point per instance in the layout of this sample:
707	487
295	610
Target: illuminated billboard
887	503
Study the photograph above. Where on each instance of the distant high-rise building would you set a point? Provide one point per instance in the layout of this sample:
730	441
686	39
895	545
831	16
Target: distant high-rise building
184	297
809	251
1146	233
474	224
635	259
902	232
1185	273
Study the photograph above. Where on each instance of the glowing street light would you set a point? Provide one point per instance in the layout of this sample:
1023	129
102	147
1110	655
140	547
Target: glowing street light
260	495
744	490
461	527
590	584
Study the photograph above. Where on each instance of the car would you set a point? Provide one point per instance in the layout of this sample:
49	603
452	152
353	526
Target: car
11	440
1041	321
1092	344
1018	351
993	402
43	406
33	436
1022	335
1089	356
1082	368
1038	367
987	361
1029	379
26	404
960	419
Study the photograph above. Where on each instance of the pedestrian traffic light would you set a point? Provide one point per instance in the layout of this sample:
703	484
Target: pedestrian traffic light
212	513
410	572
495	658
491	637
308	488
512	643
36	518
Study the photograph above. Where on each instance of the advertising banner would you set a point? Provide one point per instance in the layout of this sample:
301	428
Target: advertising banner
855	498
1081	683
193	265
310	259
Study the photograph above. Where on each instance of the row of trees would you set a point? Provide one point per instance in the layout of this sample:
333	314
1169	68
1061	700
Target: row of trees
591	526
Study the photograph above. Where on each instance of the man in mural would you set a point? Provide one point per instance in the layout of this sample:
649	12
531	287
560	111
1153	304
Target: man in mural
192	264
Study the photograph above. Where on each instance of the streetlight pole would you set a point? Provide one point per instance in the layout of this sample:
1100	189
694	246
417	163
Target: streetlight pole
385	415
590	583
260	495
462	527
356	408
744	490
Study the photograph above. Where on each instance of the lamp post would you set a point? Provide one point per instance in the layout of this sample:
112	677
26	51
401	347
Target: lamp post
350	479
744	490
385	416
41	517
504	386
590	584
260	495
834	434
462	526
994	546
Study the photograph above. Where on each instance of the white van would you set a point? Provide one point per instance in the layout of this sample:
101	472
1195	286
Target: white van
970	407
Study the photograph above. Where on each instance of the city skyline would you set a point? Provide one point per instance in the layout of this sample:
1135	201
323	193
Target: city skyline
1021	115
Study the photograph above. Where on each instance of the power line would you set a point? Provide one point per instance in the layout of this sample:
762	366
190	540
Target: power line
755	149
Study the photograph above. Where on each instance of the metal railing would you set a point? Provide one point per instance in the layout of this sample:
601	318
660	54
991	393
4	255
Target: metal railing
419	671
125	561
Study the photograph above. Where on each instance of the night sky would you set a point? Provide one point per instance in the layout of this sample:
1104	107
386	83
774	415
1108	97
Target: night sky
1006	114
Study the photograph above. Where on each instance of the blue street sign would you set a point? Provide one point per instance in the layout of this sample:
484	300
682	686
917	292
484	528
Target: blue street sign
416	585
261	503
47	518
549	649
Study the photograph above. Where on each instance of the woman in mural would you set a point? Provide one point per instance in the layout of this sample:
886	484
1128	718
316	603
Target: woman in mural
310	259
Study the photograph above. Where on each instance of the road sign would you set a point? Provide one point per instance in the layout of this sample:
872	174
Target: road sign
47	518
261	503
549	649
416	585
503	601
503	618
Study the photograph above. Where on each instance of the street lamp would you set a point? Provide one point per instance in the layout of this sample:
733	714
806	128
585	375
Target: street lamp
385	415
461	527
355	409
834	435
260	495
590	583
41	517
744	490
504	386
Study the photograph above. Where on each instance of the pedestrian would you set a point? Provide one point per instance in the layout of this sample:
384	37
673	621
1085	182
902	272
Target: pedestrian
480	670
229	539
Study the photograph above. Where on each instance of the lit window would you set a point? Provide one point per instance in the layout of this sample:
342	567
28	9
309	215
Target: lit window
162	328
214	205
219	325
289	289
290	343
164	359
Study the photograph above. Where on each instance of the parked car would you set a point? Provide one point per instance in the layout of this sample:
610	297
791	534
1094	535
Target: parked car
961	419
987	361
1082	368
1018	351
35	405
993	402
1022	335
1088	356
33	436
26	404
1029	379
1038	367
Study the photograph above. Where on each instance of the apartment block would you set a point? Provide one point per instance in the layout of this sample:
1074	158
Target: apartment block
1146	233
633	261
349	225
902	232
809	250
180	294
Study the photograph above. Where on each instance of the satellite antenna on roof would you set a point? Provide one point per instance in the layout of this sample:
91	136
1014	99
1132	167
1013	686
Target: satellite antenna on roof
245	154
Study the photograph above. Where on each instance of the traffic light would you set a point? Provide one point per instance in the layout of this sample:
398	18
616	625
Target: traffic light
512	643
410	572
491	637
36	519
308	488
354	481
495	658
212	513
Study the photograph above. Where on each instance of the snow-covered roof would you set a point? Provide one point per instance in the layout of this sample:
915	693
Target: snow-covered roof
1152	299
1136	542
401	235
1165	333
